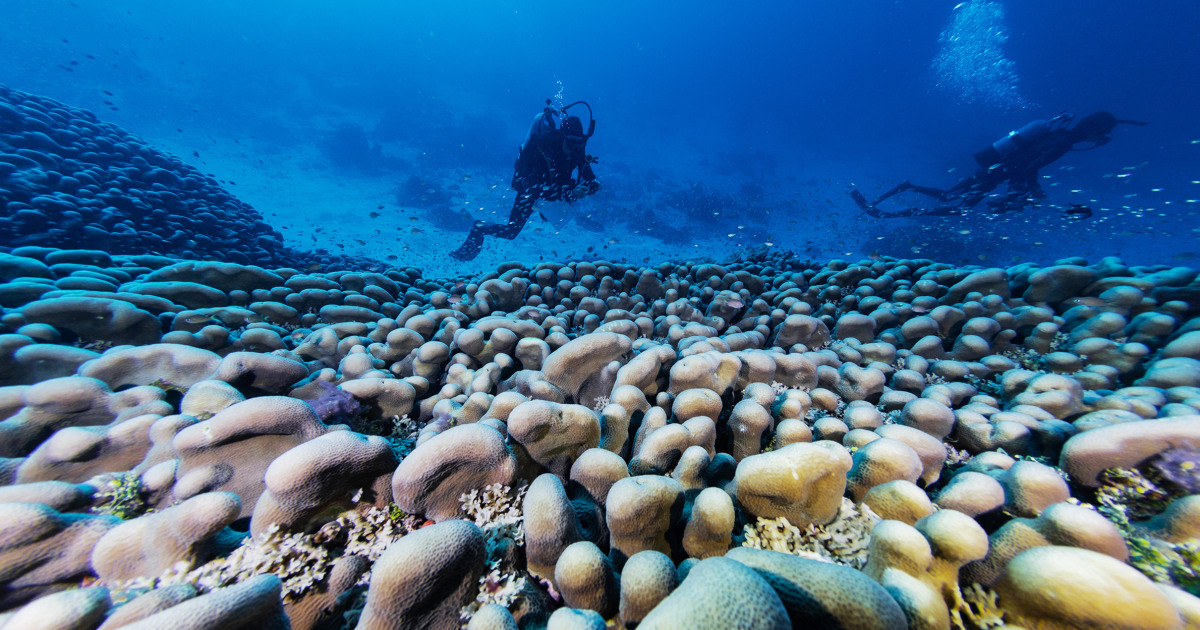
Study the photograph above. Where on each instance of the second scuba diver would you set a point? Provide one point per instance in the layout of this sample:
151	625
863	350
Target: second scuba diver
1015	158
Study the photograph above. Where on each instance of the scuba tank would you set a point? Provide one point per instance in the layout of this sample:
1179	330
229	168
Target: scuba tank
551	121
996	152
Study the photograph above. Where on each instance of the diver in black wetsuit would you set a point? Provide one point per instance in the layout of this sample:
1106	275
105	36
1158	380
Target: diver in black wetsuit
553	152
1015	158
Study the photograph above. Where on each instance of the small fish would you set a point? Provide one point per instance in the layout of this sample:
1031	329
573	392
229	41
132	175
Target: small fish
418	231
1078	211
374	215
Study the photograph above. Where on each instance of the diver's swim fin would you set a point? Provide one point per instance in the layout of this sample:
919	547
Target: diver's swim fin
862	203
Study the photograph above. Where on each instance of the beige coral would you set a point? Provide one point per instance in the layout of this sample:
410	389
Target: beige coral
803	482
1065	587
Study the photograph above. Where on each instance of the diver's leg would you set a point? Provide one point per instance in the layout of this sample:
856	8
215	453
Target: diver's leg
861	201
470	247
521	209
895	190
916	211
517	217
936	193
1013	200
939	211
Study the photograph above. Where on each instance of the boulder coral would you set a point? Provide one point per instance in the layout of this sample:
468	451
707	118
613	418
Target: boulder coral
690	444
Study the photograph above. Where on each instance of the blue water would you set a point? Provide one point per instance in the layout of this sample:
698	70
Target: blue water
721	126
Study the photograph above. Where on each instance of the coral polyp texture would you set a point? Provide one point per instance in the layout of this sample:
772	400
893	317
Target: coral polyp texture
592	442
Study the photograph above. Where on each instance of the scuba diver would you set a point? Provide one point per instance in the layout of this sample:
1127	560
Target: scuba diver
1015	158
553	152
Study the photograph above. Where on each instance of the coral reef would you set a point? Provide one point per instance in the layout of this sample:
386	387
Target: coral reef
69	180
844	541
567	443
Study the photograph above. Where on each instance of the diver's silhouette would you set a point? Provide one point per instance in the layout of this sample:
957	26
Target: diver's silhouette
1015	158
553	152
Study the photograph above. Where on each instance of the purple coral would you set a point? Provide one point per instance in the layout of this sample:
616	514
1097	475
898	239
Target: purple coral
1179	466
334	403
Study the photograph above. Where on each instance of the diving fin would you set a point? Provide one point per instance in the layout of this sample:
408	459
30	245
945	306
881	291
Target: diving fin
862	203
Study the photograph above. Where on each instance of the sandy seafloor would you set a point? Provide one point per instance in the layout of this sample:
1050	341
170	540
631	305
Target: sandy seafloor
301	189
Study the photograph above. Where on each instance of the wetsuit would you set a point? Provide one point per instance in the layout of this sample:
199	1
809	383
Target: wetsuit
1019	168
545	169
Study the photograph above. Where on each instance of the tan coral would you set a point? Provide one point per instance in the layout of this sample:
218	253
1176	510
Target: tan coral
1125	445
585	578
1030	487
553	434
745	427
231	450
647	578
45	550
425	578
691	403
72	609
899	500
929	416
716	371
550	525
930	449
802	482
310	483
972	493
432	478
1064	587
254	604
720	593
820	594
570	366
709	530
640	512
155	542
879	462
167	363
1064	524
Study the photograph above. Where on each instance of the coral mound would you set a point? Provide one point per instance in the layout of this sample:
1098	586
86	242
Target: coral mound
883	443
